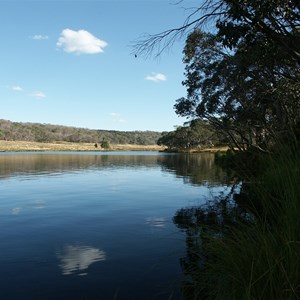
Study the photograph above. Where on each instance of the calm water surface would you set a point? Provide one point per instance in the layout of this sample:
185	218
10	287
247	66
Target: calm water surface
97	225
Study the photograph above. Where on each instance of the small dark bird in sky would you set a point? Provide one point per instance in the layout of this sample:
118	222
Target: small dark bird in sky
135	55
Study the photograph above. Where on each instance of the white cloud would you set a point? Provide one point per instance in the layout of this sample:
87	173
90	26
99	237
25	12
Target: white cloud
115	114
156	77
117	118
38	95
40	37
17	88
80	42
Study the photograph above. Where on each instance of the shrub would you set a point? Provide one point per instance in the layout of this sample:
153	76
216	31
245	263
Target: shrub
105	145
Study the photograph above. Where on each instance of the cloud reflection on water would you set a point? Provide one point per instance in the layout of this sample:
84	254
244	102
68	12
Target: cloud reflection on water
75	259
156	221
16	210
39	204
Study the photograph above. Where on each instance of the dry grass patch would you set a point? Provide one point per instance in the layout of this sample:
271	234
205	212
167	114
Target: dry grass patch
17	146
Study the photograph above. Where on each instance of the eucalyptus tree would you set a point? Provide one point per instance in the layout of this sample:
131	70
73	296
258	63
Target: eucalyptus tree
243	77
196	135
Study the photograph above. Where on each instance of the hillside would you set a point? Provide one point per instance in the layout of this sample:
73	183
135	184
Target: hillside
36	132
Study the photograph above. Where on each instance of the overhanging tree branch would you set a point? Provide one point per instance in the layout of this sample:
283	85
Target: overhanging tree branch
158	43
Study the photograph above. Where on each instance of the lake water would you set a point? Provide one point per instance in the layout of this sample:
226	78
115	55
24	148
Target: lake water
97	225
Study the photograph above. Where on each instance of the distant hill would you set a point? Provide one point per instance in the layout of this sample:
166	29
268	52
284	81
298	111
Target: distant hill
16	131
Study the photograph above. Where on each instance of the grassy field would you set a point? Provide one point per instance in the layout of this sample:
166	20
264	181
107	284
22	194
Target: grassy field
17	146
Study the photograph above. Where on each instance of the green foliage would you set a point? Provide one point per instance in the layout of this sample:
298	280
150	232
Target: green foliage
105	144
245	78
196	135
50	133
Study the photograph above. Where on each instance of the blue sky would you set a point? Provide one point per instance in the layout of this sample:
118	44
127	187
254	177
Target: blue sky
70	63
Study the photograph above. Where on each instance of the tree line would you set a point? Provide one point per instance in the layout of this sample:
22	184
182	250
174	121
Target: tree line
195	135
17	131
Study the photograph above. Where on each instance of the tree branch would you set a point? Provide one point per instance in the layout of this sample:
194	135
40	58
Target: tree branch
158	43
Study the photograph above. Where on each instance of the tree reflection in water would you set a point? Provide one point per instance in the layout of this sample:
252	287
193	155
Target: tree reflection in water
202	224
195	168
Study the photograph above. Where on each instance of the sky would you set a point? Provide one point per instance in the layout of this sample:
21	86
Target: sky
71	63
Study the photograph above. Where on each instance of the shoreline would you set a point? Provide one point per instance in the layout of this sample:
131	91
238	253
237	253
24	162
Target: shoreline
26	146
